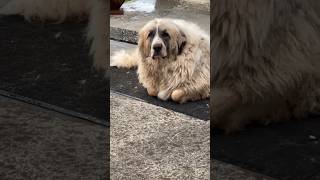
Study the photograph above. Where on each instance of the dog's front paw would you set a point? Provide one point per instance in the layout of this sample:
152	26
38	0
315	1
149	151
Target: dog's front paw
163	95
179	96
152	92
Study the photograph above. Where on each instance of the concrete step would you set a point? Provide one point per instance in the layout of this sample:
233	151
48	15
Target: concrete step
125	27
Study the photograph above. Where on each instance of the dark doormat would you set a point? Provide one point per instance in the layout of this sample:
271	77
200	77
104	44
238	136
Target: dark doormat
50	63
286	151
126	82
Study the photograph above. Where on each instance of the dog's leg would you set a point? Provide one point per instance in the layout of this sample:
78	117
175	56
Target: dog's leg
223	106
97	32
228	111
164	94
152	91
178	95
191	92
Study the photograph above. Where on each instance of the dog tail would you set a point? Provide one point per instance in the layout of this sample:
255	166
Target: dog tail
124	59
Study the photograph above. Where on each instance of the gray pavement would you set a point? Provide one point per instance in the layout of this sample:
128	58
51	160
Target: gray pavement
151	142
41	144
147	142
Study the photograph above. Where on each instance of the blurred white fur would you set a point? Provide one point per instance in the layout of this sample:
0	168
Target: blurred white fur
97	32
60	10
125	59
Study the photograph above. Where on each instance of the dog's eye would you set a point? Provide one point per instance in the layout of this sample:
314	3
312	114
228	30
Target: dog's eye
151	34
165	34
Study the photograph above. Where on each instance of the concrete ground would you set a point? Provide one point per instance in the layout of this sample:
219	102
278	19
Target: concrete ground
151	142
37	143
147	142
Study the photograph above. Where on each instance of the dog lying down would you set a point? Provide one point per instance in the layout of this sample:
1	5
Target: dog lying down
266	61
173	60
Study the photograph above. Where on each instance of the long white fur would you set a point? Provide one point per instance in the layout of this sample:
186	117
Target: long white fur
189	71
129	59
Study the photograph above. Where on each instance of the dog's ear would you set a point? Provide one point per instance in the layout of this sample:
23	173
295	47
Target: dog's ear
143	44
181	41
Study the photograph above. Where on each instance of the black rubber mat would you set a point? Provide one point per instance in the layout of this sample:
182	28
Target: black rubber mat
50	63
126	81
289	150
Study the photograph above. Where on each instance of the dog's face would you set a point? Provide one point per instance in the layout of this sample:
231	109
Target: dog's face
161	38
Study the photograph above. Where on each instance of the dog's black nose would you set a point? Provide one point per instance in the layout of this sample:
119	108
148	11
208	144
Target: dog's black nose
157	47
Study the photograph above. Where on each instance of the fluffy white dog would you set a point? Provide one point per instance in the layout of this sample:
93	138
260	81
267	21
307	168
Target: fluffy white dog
173	59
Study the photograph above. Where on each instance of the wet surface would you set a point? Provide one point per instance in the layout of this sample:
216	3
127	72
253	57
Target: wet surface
146	6
51	63
143	10
161	7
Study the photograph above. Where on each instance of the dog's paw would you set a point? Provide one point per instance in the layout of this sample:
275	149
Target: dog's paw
152	92
178	95
163	95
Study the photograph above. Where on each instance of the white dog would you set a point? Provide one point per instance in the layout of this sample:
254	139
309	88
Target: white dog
173	60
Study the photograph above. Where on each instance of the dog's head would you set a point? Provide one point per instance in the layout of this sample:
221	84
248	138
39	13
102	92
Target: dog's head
161	38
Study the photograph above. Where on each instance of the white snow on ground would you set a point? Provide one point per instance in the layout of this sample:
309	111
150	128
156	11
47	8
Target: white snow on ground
139	5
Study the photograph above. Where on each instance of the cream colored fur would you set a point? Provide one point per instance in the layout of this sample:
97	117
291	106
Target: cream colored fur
265	61
188	72
125	59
